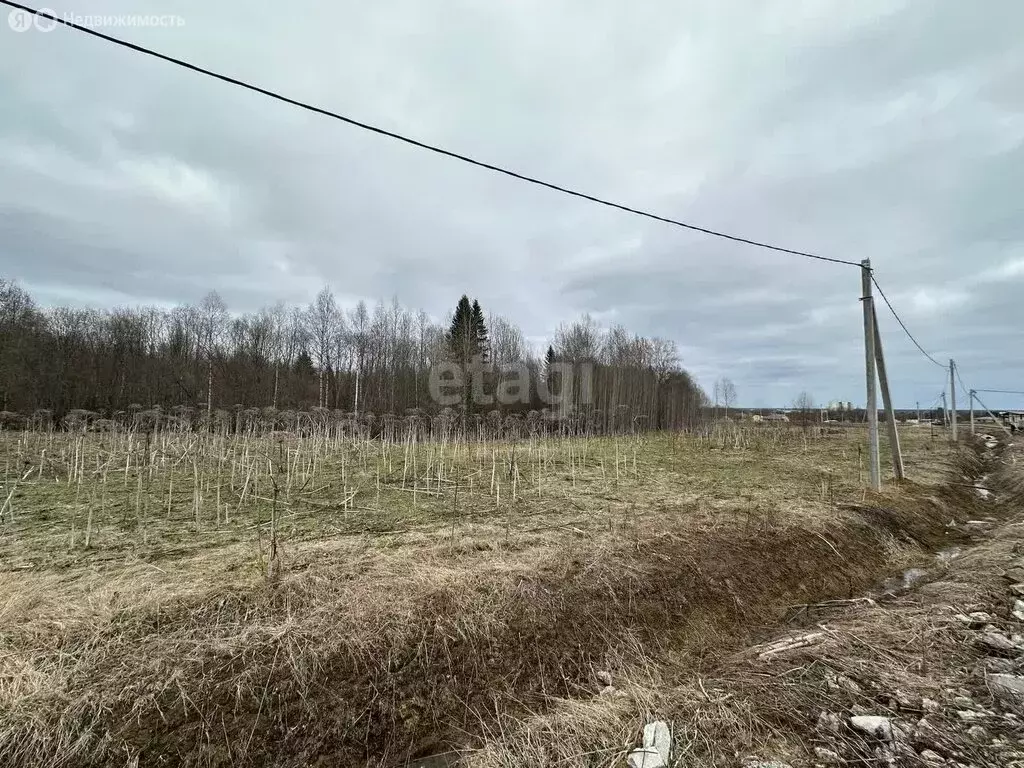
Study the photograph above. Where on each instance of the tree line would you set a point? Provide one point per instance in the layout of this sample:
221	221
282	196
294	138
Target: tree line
322	357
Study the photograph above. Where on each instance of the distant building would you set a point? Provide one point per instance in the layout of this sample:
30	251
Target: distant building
840	406
1012	419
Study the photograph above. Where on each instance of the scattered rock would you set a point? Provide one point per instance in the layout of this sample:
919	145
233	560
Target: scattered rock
837	682
1017	589
657	744
1018	610
1011	685
1015	574
927	736
975	620
645	757
934	758
992	664
970	715
828	756
930	705
995	640
905	701
885	756
978	733
830	723
873	725
604	677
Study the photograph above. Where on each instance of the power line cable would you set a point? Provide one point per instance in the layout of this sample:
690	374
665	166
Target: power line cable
894	314
1000	391
415	142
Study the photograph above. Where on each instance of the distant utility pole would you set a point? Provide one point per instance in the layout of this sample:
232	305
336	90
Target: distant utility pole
918	412
971	398
945	411
869	365
952	397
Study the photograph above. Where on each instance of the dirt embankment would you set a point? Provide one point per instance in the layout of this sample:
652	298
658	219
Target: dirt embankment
931	674
494	648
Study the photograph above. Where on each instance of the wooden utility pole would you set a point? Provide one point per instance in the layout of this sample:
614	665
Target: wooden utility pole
890	411
971	398
952	398
869	365
945	411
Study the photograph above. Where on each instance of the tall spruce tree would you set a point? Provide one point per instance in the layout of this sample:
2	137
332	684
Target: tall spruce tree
462	340
483	346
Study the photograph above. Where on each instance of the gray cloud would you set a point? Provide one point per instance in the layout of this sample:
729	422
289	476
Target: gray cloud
893	131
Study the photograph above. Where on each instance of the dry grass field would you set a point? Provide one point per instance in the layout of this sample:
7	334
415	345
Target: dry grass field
188	599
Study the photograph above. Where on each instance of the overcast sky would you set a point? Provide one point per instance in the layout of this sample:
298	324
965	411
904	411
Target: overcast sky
888	130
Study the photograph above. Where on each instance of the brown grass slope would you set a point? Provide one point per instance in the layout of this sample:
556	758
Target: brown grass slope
362	655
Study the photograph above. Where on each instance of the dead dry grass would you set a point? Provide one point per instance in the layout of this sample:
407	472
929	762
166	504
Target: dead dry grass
481	629
902	656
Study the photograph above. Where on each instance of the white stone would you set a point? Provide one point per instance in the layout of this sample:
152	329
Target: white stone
873	725
969	715
977	733
1007	684
931	757
828	756
604	677
645	757
657	735
657	745
998	641
1018	610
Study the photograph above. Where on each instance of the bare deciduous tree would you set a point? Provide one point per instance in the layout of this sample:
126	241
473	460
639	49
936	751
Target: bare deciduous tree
127	359
213	315
804	402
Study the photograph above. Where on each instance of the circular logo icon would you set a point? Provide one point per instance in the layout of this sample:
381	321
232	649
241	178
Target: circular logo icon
44	23
19	20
